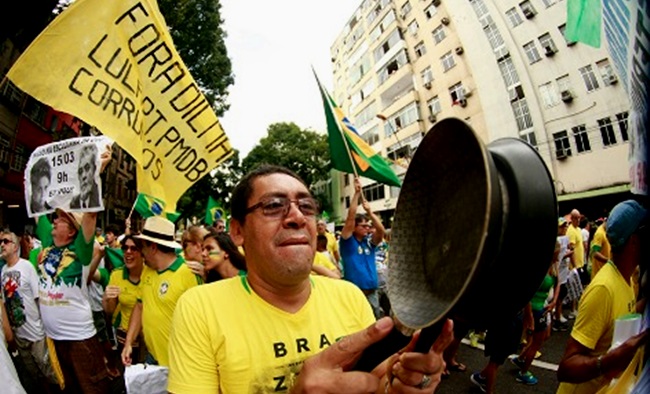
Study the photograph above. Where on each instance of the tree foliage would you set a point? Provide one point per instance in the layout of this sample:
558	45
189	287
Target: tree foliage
196	28
218	184
303	151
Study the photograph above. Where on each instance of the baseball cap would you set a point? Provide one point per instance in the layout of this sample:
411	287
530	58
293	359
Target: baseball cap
561	221
626	217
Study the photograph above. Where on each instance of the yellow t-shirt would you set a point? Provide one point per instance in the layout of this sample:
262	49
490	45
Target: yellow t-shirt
332	244
608	297
129	295
160	292
227	339
575	238
599	243
322	260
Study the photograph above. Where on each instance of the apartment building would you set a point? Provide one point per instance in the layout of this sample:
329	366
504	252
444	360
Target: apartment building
504	67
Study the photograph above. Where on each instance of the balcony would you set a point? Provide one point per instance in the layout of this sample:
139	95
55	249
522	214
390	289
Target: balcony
397	97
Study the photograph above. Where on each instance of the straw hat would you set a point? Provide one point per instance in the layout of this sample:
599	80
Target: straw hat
160	231
74	218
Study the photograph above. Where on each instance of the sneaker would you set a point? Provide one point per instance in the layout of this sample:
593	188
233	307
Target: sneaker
563	319
473	339
514	360
526	378
572	315
558	326
479	380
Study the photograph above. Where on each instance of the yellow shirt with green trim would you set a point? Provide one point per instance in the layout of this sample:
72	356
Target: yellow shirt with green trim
160	293
227	339
608	297
130	293
599	243
575	238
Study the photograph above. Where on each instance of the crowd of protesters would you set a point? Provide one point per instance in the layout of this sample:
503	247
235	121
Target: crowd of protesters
82	302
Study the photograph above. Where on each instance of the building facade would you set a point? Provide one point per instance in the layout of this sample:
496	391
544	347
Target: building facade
503	66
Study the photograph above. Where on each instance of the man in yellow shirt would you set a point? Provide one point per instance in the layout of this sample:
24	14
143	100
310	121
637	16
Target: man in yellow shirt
332	243
576	242
588	363
280	328
600	250
164	279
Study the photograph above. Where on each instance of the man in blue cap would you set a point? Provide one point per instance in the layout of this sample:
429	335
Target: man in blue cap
588	363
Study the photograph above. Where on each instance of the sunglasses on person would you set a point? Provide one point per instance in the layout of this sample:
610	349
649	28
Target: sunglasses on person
279	206
5	241
129	248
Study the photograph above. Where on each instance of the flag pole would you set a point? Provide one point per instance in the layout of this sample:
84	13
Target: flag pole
345	140
132	208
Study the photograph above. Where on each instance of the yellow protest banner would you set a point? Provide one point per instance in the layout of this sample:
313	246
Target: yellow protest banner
113	65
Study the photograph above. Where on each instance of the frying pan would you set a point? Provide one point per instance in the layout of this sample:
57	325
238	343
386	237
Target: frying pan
473	235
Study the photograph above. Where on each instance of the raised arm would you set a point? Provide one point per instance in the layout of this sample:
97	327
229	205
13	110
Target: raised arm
348	228
378	235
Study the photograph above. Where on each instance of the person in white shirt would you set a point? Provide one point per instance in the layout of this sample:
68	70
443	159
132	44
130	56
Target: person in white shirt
8	374
20	294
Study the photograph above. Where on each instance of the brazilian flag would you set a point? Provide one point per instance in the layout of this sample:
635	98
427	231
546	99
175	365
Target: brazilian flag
214	211
149	206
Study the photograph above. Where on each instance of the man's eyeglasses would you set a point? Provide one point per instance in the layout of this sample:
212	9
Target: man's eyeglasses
279	206
5	241
127	248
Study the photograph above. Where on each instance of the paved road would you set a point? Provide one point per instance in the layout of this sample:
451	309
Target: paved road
544	369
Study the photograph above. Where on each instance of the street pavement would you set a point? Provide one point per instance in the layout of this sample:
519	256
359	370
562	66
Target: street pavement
543	368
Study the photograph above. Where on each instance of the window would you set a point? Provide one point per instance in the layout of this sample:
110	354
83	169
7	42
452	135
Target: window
406	9
607	131
447	61
346	179
35	111
522	114
366	114
420	49
347	201
392	66
5	149
430	11
402	118
11	93
514	17
508	72
439	34
530	138
622	125
588	75
606	72
532	53
399	151
373	192
394	190
457	92
527	9
562	29
427	75
20	160
371	136
582	138
563	83
562	144
383	26
548	3
385	46
493	35
549	94
547	43
479	8
413	27
434	106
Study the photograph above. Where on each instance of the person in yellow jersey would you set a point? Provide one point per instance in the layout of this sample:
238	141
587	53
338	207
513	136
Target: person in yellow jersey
589	363
576	242
332	243
123	292
164	279
600	250
279	328
323	263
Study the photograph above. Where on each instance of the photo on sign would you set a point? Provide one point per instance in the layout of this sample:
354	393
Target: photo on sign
65	175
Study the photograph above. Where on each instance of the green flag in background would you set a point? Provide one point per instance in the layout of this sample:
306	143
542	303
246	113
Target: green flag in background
213	211
368	163
115	257
148	206
583	21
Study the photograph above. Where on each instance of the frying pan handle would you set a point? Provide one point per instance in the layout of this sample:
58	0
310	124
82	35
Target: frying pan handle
376	353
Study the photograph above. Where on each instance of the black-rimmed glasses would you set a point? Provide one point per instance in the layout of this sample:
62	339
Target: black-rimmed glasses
279	206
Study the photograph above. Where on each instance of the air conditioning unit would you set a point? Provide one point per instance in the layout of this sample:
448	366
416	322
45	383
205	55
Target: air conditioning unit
467	92
549	50
561	154
432	118
567	96
528	13
436	2
427	85
612	79
444	21
459	51
462	102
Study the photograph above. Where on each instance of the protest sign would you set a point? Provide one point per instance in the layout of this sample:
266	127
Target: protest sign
65	175
113	65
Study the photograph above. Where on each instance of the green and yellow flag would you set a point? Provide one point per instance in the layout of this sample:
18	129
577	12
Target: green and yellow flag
583	21
148	206
214	211
113	65
345	143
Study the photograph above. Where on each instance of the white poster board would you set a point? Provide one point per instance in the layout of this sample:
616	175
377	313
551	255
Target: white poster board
65	174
